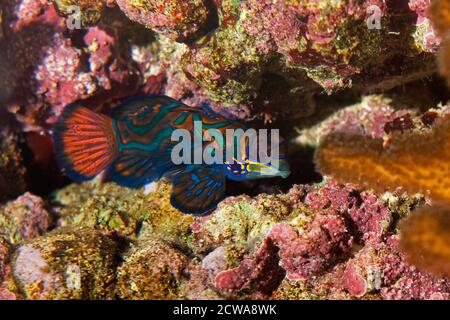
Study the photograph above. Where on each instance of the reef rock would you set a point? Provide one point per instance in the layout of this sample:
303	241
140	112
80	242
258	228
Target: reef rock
25	218
152	271
78	264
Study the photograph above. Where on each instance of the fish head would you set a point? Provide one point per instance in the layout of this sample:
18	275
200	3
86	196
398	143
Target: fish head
257	161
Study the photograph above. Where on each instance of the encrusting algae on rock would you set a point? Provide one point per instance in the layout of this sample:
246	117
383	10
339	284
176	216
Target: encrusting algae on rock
126	212
154	270
67	264
87	11
12	170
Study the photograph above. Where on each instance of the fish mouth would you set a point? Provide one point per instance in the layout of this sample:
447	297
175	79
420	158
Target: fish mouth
281	170
284	173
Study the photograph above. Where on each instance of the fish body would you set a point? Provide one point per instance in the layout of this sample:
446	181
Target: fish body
135	147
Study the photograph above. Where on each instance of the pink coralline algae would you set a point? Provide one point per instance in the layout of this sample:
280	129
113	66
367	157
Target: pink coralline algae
66	265
343	248
344	216
368	271
60	70
62	79
288	49
262	272
370	218
180	20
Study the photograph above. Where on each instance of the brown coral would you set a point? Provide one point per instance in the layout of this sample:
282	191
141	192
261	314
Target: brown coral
416	161
440	15
425	238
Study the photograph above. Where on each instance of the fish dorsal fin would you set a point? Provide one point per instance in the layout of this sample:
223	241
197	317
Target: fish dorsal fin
141	106
197	189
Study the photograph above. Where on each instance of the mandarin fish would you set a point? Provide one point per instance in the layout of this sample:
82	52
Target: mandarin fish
134	147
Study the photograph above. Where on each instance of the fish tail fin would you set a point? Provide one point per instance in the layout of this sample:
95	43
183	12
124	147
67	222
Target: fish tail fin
85	142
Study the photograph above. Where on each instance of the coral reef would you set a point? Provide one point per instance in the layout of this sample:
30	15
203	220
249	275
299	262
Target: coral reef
5	251
62	69
425	35
180	20
122	211
379	117
413	159
87	11
354	86
323	241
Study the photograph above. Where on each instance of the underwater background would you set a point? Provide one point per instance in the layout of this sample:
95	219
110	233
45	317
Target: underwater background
359	90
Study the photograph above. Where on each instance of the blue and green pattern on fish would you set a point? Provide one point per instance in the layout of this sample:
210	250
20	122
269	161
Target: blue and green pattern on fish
134	146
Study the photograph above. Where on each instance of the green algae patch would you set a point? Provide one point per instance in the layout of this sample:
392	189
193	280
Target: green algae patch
127	212
107	206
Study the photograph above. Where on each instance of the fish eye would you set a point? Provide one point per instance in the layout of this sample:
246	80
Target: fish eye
237	168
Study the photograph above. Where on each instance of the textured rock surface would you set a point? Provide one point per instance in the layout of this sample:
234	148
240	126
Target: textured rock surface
25	218
153	271
12	169
66	265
